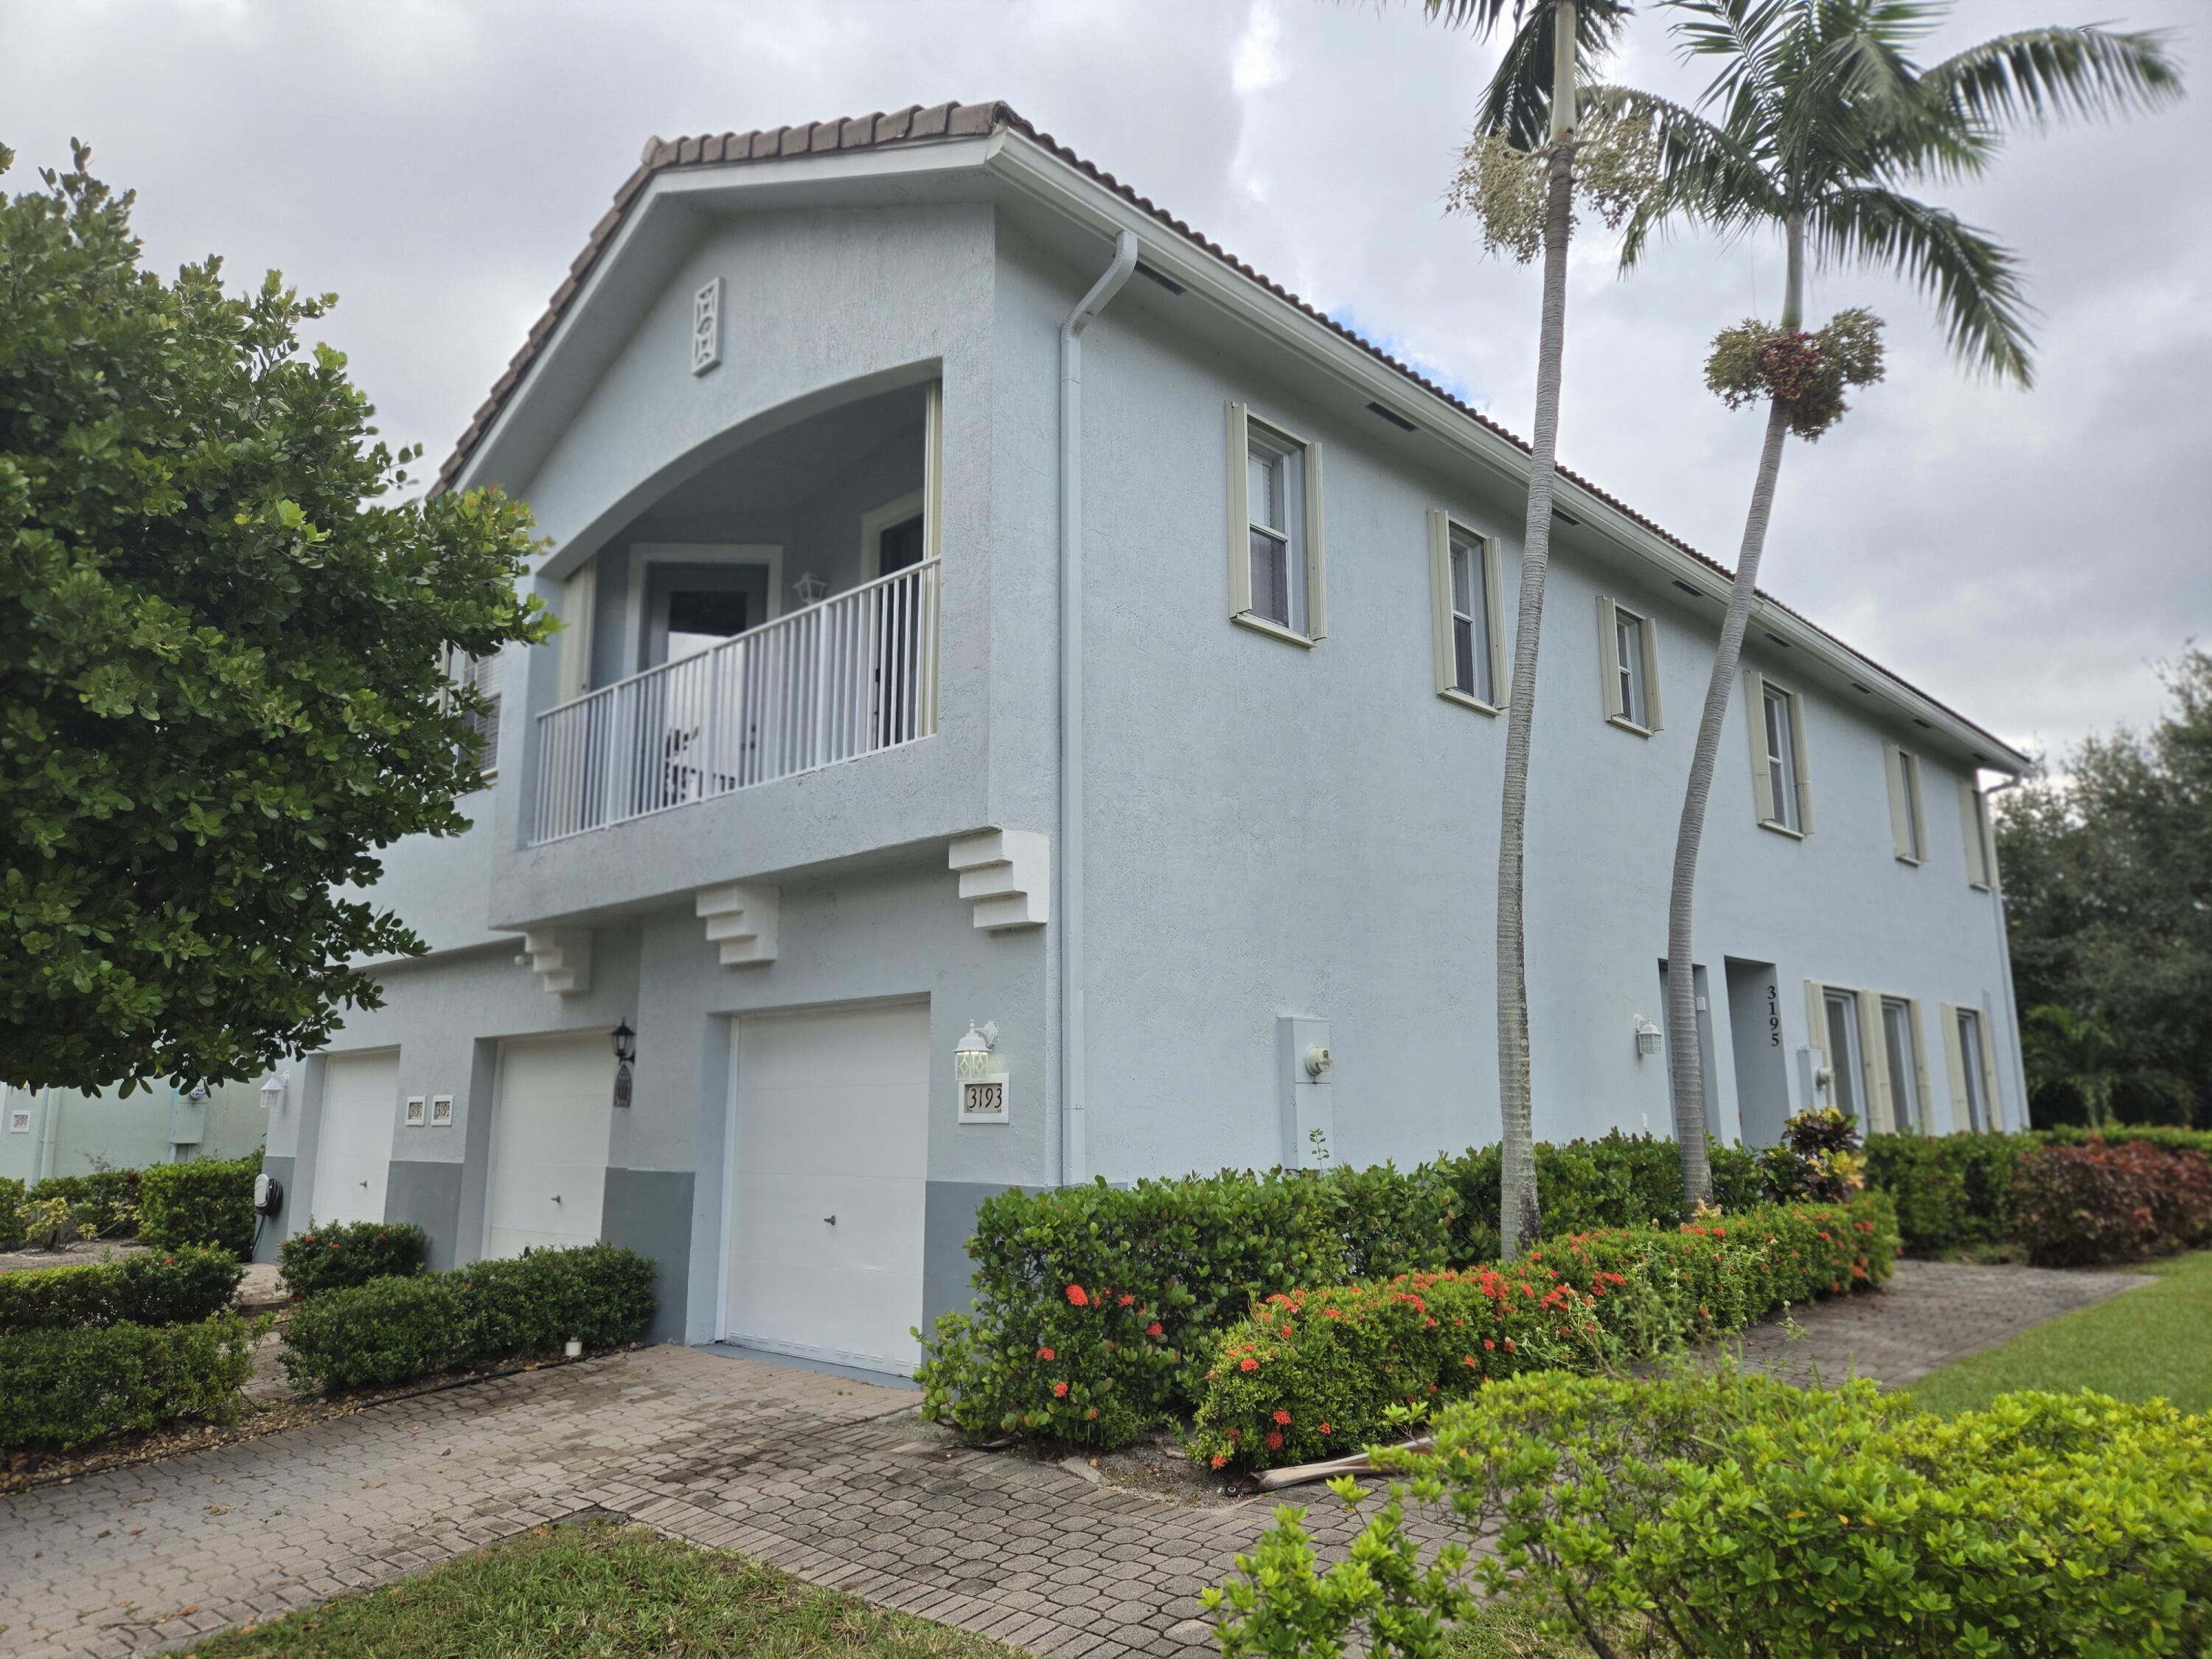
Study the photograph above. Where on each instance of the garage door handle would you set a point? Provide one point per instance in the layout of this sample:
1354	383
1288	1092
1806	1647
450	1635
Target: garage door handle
832	1219
364	1186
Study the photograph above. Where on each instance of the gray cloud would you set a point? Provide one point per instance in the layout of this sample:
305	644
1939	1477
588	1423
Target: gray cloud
2024	556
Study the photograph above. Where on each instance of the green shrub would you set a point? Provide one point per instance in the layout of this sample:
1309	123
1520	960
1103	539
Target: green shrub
209	1201
1315	1373
1615	1180
2166	1137
395	1329
1724	1514
2092	1203
181	1287
344	1255
64	1388
1085	1274
1952	1192
105	1201
11	1213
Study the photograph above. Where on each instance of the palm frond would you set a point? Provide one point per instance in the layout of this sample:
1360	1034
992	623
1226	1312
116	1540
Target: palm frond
1518	101
1973	279
1705	175
2030	78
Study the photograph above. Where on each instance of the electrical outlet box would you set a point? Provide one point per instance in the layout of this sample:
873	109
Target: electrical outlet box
1308	1093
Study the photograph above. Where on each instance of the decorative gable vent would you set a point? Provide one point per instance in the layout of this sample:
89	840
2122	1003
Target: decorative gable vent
707	327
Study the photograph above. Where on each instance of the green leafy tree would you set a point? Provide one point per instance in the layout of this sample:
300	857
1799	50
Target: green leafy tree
1531	110
222	660
1819	119
2108	903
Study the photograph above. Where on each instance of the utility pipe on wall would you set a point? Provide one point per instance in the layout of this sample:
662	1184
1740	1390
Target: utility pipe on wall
1074	1149
2004	961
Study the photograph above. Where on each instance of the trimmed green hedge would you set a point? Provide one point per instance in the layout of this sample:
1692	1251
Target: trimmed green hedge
394	1330
340	1256
105	1199
11	1213
60	1390
1190	1256
209	1201
183	1288
1316	1373
1707	1514
1960	1192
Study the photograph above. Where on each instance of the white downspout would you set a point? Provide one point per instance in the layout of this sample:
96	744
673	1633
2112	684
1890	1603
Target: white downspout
2004	961
1073	1149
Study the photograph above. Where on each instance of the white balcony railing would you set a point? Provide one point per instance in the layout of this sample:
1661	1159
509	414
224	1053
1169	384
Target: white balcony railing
841	679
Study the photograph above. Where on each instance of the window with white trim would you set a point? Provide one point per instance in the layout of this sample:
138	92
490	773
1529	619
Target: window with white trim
1973	1092
1275	582
1981	844
1781	783
477	673
1908	811
1901	1053
1464	583
1845	1060
1628	667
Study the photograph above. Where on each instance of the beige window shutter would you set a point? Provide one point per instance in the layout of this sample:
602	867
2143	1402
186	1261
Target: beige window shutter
1928	1106
1816	1023
1240	513
1493	585
1762	786
1901	818
1804	764
579	609
1988	1059
1873	1065
1954	1066
1316	563
1978	868
933	470
1919	812
1440	600
1648	634
1609	659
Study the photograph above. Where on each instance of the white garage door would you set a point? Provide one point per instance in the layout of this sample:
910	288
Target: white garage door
353	1147
548	1143
832	1122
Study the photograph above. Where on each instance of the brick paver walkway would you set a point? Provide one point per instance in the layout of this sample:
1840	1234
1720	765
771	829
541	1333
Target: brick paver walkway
831	1479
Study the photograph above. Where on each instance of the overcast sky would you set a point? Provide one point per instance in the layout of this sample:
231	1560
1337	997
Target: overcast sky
2026	557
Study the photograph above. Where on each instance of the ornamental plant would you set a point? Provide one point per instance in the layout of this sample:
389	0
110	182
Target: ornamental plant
1319	1373
342	1254
1716	1514
2074	1206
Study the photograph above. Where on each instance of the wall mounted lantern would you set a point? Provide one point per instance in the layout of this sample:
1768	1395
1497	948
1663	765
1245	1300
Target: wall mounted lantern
1647	1037
625	1041
979	1070
811	589
272	1091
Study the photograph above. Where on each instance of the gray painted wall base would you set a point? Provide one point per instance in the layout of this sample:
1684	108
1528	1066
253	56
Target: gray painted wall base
649	1211
270	1238
430	1196
948	1218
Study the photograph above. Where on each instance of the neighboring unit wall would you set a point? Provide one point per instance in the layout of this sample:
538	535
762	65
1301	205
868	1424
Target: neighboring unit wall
72	1133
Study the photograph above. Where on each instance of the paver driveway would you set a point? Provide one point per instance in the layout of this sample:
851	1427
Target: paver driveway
831	1479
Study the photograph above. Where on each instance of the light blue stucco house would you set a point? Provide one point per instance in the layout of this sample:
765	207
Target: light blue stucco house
73	1132
989	607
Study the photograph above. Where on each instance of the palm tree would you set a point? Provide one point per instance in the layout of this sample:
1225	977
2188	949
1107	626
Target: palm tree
1531	103
1821	117
2078	1053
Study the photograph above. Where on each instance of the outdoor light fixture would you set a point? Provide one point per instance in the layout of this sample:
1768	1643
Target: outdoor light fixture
1647	1037
811	589
625	1041
272	1092
980	1073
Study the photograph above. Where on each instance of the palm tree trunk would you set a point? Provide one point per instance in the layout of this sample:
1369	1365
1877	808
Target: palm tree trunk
1682	1047
1519	1214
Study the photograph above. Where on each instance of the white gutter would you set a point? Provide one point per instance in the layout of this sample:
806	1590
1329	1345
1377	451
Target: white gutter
1074	1151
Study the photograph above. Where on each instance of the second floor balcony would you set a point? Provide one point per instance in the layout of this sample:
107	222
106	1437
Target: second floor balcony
841	677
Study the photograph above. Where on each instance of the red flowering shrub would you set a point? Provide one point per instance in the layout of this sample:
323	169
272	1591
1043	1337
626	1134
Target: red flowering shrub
2076	1205
1315	1373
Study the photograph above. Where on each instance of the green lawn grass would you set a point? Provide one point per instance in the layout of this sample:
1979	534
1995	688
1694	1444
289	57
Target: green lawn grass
599	1592
2151	1343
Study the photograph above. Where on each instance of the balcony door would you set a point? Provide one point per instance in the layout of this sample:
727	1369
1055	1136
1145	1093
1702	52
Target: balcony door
686	602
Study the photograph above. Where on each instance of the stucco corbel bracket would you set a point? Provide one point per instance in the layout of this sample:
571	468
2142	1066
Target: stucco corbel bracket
561	957
1008	873
740	919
